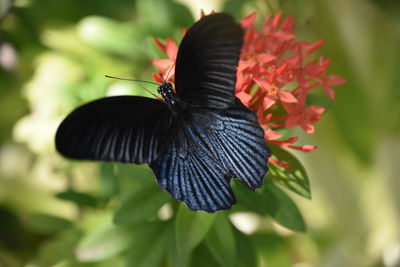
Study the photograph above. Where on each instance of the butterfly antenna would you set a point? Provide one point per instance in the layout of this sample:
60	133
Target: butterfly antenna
169	71
149	91
125	79
162	78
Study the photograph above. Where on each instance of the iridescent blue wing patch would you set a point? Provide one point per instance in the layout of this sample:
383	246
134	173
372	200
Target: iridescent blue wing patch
206	150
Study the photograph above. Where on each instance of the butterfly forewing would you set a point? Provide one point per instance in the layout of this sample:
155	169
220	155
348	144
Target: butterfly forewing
205	72
121	129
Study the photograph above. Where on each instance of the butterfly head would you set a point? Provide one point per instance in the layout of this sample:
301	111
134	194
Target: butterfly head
167	93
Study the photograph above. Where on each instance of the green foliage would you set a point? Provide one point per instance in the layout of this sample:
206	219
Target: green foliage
191	228
221	242
245	251
271	200
295	177
142	203
80	199
47	224
150	245
105	242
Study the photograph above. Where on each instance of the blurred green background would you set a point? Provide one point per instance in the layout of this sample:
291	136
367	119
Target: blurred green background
54	212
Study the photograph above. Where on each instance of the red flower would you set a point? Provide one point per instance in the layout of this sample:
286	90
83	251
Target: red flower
171	49
303	116
274	76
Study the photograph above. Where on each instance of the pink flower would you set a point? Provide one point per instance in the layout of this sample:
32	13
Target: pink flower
274	77
300	115
328	82
171	49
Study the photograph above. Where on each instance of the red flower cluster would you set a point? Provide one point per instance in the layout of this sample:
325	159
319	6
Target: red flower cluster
274	77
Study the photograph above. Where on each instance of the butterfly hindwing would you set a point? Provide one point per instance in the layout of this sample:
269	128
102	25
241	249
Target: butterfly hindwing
238	139
120	129
205	71
189	173
206	150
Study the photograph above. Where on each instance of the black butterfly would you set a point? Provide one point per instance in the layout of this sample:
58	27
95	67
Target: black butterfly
196	139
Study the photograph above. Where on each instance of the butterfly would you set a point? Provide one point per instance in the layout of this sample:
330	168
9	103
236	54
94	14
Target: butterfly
196	139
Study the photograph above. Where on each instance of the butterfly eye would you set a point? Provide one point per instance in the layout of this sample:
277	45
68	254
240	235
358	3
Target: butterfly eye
159	90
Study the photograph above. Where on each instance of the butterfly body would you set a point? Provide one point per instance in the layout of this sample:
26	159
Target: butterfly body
168	94
196	139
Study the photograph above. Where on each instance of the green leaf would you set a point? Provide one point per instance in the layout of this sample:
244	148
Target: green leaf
245	249
272	249
191	228
47	224
150	245
143	202
108	180
271	200
174	256
202	257
220	240
295	177
60	246
282	208
80	199
104	242
132	176
250	199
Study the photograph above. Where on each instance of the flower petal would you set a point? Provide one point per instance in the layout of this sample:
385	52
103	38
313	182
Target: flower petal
306	126
265	58
264	85
248	21
290	109
301	99
160	45
277	19
292	121
308	148
172	49
313	111
286	96
157	78
245	98
284	36
288	25
335	80
279	163
169	73
271	135
311	48
305	148
329	91
268	102
162	63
